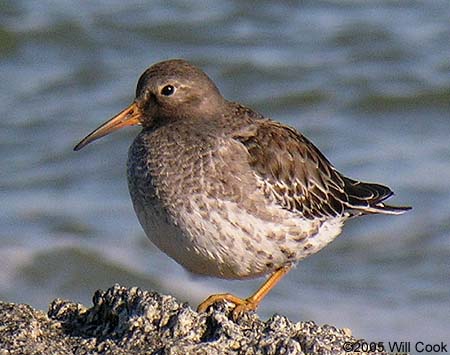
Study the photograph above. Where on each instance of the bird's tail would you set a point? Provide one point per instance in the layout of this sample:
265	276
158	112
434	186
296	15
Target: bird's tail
367	198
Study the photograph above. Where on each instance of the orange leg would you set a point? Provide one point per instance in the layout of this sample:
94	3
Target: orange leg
250	303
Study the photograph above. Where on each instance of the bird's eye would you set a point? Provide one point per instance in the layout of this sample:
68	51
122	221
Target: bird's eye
167	90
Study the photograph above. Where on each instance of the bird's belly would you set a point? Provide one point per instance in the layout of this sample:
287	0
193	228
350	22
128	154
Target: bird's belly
217	238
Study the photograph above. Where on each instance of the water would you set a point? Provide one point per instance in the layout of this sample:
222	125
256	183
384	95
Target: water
368	82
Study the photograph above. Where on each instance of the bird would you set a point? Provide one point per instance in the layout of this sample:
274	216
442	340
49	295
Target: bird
227	192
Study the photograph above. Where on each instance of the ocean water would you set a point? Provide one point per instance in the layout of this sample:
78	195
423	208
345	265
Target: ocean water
367	81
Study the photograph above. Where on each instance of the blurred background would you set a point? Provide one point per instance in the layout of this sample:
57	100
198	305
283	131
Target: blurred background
367	81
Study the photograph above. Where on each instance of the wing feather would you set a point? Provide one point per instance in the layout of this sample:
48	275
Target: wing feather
299	177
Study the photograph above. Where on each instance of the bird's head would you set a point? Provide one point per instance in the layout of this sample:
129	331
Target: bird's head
167	91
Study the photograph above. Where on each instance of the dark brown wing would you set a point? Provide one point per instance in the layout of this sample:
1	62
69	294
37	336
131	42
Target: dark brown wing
297	175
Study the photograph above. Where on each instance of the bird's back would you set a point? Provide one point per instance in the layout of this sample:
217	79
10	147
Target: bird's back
299	177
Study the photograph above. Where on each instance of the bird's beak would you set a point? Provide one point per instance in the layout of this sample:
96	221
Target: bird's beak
129	117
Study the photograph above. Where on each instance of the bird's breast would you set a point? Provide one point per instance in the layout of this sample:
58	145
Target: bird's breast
208	212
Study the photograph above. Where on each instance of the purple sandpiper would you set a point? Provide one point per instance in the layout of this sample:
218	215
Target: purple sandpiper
225	191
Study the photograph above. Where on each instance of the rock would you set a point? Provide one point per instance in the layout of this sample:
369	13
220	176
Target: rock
132	321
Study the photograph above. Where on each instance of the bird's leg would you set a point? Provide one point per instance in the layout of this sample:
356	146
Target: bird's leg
250	303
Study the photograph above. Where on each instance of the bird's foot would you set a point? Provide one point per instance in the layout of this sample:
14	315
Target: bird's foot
242	305
247	304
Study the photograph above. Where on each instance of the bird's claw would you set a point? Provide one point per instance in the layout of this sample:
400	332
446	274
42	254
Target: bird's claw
242	305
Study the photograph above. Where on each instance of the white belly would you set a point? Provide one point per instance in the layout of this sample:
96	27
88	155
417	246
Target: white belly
225	241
